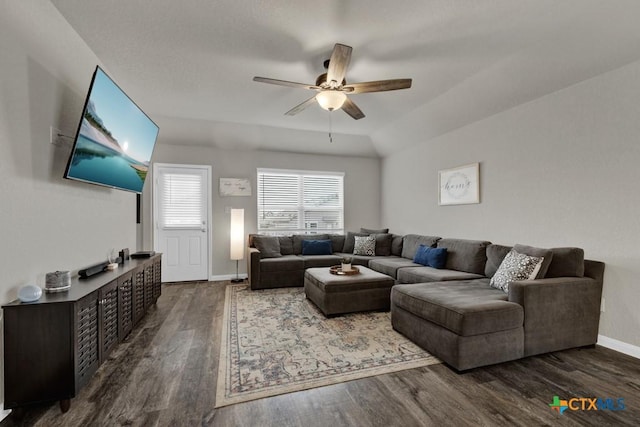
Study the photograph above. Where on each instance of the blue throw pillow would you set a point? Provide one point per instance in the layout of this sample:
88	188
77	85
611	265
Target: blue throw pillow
316	247
431	257
437	257
421	255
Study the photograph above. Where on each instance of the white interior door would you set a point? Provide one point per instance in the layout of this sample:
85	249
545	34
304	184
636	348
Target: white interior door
182	211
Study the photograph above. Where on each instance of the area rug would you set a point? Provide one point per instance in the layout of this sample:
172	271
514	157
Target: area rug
276	341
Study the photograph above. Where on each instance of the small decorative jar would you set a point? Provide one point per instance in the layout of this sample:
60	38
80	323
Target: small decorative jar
346	264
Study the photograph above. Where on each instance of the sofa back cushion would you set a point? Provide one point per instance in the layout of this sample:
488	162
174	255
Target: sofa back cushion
269	246
286	245
465	255
411	242
298	238
396	244
495	255
566	262
337	242
374	231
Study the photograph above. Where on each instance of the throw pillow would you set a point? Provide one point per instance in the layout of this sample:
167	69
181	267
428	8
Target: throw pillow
437	257
316	247
365	245
421	256
286	245
514	267
269	246
537	252
431	257
383	244
349	241
372	231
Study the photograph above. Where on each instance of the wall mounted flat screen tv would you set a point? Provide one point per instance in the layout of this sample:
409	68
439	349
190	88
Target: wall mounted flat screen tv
114	141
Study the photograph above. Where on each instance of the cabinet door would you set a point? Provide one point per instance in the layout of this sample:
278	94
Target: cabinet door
87	339
108	317
125	305
148	284
138	294
157	279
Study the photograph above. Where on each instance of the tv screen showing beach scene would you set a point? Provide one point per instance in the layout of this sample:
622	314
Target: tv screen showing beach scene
115	139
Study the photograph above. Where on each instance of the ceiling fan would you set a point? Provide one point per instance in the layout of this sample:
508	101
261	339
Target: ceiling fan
332	87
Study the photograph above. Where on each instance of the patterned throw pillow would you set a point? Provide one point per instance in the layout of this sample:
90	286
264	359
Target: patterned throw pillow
365	245
515	266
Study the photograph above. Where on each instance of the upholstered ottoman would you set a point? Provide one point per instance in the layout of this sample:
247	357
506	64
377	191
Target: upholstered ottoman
335	294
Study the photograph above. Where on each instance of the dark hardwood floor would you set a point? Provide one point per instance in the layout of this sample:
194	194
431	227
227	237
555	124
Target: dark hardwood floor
165	373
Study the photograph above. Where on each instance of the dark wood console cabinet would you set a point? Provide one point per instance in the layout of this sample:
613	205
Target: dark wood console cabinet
53	346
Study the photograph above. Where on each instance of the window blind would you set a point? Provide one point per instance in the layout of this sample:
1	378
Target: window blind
300	202
181	200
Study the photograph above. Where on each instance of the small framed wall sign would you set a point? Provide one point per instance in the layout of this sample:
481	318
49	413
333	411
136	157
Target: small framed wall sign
235	187
460	186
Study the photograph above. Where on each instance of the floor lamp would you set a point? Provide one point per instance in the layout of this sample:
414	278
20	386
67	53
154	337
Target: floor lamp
237	239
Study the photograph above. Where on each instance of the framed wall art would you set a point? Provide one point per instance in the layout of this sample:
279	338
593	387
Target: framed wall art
459	186
235	187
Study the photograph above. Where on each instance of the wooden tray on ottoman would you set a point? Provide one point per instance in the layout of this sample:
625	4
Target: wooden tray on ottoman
336	269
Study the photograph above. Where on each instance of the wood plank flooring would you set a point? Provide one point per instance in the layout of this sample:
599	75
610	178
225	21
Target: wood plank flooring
165	373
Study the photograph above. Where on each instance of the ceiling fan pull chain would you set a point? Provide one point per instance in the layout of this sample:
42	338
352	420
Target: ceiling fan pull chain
330	127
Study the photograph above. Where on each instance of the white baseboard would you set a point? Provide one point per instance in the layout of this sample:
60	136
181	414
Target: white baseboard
4	413
620	346
226	277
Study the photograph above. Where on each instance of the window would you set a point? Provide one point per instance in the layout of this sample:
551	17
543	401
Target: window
181	203
300	201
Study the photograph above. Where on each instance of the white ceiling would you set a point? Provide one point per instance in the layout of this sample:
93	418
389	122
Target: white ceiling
189	64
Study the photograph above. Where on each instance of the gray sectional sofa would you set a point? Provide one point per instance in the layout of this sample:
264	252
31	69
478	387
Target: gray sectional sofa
454	312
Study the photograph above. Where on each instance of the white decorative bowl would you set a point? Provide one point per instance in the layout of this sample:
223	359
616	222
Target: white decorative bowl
29	293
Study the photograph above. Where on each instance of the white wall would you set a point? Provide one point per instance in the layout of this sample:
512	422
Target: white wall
362	188
563	170
48	223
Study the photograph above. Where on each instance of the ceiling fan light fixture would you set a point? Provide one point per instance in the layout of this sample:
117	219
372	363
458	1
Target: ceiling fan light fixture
331	99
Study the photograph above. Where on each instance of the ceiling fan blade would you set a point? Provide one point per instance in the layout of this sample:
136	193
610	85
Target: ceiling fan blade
295	110
340	58
285	83
352	109
377	86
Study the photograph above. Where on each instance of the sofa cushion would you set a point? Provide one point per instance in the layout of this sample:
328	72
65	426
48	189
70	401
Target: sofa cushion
350	241
566	262
411	242
311	261
390	265
537	252
423	274
515	267
396	244
465	255
286	245
365	245
283	263
373	231
337	242
467	308
495	255
269	246
298	238
431	257
383	244
316	247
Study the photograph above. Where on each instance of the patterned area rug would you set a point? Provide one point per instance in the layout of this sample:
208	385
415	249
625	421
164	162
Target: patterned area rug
276	341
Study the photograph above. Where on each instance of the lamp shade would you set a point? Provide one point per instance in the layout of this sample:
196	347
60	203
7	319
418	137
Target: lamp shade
331	99
237	234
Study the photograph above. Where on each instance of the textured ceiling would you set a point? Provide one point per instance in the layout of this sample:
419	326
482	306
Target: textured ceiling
190	63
